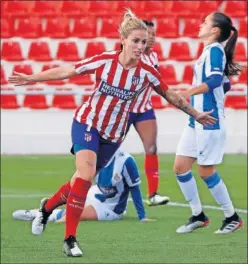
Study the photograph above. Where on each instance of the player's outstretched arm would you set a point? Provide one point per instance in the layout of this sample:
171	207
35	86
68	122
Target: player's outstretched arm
58	73
178	101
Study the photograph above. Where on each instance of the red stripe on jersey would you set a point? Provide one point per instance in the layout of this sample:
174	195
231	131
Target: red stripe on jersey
94	59
155	73
88	108
103	97
114	101
120	114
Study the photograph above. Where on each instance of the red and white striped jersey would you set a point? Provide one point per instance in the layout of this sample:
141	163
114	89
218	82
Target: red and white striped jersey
115	91
143	101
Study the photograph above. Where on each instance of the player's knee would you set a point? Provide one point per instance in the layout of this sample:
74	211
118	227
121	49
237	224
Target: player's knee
151	149
87	170
179	168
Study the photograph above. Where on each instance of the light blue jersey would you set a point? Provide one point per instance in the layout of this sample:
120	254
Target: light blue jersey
211	62
116	180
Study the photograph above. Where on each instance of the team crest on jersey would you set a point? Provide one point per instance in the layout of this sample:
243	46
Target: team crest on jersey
135	80
117	177
87	137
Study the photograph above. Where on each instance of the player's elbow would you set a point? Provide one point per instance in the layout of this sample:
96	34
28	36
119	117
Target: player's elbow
214	81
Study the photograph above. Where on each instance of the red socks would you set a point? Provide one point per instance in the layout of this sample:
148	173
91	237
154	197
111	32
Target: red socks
75	205
151	169
59	198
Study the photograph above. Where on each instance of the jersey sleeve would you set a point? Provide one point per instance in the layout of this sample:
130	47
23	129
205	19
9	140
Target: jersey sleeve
155	79
89	65
215	62
130	172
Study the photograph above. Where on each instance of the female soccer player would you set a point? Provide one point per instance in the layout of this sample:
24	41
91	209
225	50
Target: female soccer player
142	116
205	144
99	125
107	199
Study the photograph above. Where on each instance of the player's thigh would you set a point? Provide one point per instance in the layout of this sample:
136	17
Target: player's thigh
210	147
146	127
89	214
186	152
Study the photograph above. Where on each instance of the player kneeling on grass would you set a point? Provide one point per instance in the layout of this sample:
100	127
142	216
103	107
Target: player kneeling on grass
107	199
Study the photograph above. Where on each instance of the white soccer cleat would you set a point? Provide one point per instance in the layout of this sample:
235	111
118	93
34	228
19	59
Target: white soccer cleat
40	221
194	223
25	215
71	247
157	199
230	226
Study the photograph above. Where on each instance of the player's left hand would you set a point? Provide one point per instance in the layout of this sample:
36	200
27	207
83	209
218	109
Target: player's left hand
147	220
205	118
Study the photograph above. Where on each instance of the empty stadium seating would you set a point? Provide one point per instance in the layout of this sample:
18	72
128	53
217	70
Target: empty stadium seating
49	31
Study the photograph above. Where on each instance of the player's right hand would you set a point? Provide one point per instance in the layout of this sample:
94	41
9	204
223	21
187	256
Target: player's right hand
19	79
147	220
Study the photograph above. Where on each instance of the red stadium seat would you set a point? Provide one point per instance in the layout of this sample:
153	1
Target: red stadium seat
168	73
94	48
9	101
191	27
85	27
7	26
207	7
57	27
236	8
168	27
48	8
11	51
243	76
157	101
20	8
50	66
118	7
35	101
158	8
179	51
82	79
188	74
75	8
28	28
157	47
117	46
39	51
185	8
109	28
240	52
243	28
102	8
64	101
68	51
236	101
3	78
23	68
3	9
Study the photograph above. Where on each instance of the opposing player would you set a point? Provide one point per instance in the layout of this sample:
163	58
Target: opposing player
142	117
107	199
205	144
99	125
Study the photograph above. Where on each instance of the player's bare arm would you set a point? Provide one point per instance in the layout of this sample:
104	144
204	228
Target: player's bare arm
178	101
58	73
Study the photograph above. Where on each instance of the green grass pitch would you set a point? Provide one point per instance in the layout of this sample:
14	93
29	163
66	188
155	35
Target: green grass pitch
126	241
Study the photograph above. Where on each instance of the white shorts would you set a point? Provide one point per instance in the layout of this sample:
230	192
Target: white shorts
103	212
207	146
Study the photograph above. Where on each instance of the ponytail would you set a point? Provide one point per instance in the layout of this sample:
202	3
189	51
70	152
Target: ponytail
231	68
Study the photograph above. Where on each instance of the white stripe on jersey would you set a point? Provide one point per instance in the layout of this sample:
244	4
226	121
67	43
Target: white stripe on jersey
143	102
115	91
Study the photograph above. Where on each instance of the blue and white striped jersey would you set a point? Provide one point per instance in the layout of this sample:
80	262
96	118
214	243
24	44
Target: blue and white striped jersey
211	62
115	181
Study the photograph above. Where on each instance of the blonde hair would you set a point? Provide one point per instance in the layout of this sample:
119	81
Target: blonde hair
130	22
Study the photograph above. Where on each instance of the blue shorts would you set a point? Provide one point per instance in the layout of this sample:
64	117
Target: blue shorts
91	140
139	117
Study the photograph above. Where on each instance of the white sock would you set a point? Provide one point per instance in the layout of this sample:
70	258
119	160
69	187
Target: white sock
220	193
188	187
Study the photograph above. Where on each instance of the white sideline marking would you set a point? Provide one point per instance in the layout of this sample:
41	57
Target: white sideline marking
37	195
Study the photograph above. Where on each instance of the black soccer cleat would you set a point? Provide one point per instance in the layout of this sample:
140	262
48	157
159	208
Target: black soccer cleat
71	247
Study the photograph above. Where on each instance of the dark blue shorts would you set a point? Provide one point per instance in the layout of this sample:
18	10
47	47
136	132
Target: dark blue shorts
84	138
135	118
